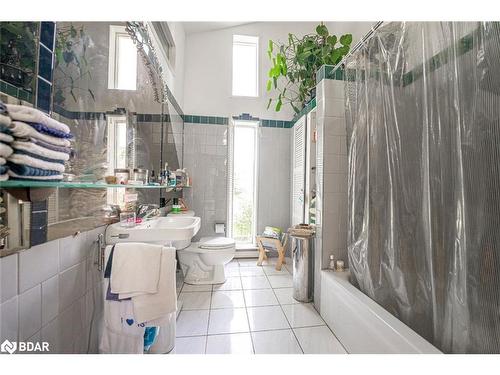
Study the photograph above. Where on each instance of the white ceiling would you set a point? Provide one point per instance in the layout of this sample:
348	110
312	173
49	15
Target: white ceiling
198	27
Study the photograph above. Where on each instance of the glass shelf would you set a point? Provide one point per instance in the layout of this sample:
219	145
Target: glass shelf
78	185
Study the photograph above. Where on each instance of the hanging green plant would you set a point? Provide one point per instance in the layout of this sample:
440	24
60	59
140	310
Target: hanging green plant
296	63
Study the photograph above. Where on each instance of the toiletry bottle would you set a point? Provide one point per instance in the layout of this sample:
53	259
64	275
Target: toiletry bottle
172	180
332	263
176	208
152	178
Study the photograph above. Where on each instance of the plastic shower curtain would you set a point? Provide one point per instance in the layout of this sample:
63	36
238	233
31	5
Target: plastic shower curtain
423	122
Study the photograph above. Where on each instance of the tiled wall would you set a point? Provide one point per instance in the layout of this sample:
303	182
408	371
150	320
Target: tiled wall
53	292
331	177
205	158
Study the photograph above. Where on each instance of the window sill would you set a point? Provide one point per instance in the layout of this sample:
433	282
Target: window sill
244	97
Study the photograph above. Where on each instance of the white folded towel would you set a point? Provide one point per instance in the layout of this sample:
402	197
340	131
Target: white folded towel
135	269
5	150
148	307
4	177
5	120
37	163
22	130
27	114
6	138
40	178
39	150
2	161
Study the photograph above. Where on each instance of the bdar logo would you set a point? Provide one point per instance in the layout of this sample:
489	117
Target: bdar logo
8	347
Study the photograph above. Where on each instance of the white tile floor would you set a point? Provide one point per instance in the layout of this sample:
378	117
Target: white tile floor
252	312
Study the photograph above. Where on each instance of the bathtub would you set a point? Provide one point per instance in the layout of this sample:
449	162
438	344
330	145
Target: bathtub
362	325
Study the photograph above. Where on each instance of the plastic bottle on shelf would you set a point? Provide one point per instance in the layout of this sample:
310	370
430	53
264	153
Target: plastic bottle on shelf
332	263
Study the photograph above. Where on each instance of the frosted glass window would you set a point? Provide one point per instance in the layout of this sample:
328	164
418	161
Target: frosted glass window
245	65
122	73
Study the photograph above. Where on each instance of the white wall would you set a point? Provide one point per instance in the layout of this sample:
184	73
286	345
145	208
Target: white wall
175	78
273	206
208	69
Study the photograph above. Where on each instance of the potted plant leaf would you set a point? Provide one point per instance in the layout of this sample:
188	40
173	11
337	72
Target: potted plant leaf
295	63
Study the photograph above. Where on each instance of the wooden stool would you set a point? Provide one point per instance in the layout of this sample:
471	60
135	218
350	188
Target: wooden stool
281	247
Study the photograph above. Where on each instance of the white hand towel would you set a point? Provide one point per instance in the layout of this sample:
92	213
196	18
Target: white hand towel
37	163
4	177
22	130
27	114
6	138
5	150
39	150
40	178
2	161
135	268
148	307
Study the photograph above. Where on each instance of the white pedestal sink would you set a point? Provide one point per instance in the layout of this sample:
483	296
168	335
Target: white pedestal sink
162	230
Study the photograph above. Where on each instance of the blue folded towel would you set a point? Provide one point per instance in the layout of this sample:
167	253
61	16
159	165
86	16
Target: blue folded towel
3	169
50	146
5	129
50	131
25	170
23	152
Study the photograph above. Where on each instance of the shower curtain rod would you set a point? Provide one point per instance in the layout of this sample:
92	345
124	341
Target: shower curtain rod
358	45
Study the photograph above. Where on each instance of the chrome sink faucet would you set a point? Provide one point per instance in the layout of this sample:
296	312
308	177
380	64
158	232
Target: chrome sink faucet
148	211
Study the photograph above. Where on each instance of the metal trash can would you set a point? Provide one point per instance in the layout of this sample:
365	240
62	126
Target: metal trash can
303	262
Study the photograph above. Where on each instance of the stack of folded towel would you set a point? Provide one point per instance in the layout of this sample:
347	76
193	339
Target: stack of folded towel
5	139
39	146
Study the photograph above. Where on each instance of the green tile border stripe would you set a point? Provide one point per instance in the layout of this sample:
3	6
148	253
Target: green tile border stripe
308	108
15	92
329	72
216	120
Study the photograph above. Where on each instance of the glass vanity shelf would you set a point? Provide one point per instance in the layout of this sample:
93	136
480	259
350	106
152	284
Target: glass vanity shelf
78	185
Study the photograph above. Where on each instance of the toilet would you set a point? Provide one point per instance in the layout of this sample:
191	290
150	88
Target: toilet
203	262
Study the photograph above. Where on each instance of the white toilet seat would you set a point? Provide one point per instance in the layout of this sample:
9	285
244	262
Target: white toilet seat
215	243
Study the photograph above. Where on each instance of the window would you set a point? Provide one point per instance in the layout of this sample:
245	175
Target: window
245	65
116	154
163	35
122	71
243	182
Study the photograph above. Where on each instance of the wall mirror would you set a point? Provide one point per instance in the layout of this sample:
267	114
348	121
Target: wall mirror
108	88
